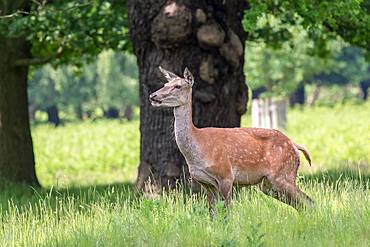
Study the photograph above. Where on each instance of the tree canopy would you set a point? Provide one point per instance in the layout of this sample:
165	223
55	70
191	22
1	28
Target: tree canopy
323	21
309	41
66	32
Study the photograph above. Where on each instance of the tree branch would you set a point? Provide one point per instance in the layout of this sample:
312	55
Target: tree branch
14	14
42	5
39	60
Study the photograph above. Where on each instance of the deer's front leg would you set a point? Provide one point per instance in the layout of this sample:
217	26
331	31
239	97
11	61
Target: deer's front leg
212	195
226	188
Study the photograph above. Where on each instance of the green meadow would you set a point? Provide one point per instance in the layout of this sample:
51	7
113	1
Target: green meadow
88	169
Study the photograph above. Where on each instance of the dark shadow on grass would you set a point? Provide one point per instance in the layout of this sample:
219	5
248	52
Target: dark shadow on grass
345	173
23	196
341	174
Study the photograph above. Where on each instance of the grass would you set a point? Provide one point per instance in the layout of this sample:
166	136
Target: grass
87	199
114	217
87	153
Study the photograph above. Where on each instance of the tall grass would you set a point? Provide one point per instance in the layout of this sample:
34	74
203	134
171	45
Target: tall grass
115	217
76	162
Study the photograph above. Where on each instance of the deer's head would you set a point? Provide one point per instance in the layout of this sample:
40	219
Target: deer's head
176	91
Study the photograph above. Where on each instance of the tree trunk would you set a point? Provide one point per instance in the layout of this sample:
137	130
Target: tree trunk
16	151
53	116
111	113
364	87
128	112
79	112
52	110
315	95
32	109
298	97
208	38
256	93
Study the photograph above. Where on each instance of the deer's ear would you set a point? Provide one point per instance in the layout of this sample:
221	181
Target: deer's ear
169	75
189	78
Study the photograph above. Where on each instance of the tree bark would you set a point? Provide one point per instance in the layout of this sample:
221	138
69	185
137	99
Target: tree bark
298	97
32	107
208	38
364	88
52	110
111	113
16	150
256	93
53	116
315	95
128	112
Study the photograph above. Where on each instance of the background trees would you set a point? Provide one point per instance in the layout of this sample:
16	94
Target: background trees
323	21
109	83
307	41
35	33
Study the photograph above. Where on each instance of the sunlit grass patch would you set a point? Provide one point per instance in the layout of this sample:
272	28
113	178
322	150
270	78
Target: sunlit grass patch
87	153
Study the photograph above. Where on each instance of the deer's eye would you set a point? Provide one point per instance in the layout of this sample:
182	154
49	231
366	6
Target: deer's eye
177	86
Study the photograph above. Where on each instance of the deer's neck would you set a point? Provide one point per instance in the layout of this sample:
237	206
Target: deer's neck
184	128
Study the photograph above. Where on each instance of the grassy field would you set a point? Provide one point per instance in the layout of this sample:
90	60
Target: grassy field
87	170
87	153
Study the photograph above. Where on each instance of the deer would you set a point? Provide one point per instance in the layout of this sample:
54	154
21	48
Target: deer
220	158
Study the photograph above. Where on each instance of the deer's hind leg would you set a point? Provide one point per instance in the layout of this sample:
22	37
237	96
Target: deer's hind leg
289	193
286	191
268	188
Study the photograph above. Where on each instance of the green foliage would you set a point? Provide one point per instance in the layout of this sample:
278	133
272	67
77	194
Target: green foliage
282	71
111	81
356	68
220	211
117	80
82	28
225	242
255	238
323	20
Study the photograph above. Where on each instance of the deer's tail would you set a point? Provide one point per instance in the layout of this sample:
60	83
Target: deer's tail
304	151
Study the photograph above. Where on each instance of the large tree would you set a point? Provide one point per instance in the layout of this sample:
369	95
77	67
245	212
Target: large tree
34	33
208	38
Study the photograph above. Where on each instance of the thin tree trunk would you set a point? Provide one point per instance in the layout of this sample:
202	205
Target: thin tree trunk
208	38
32	109
16	151
53	116
128	112
111	113
315	95
298	97
364	88
79	112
